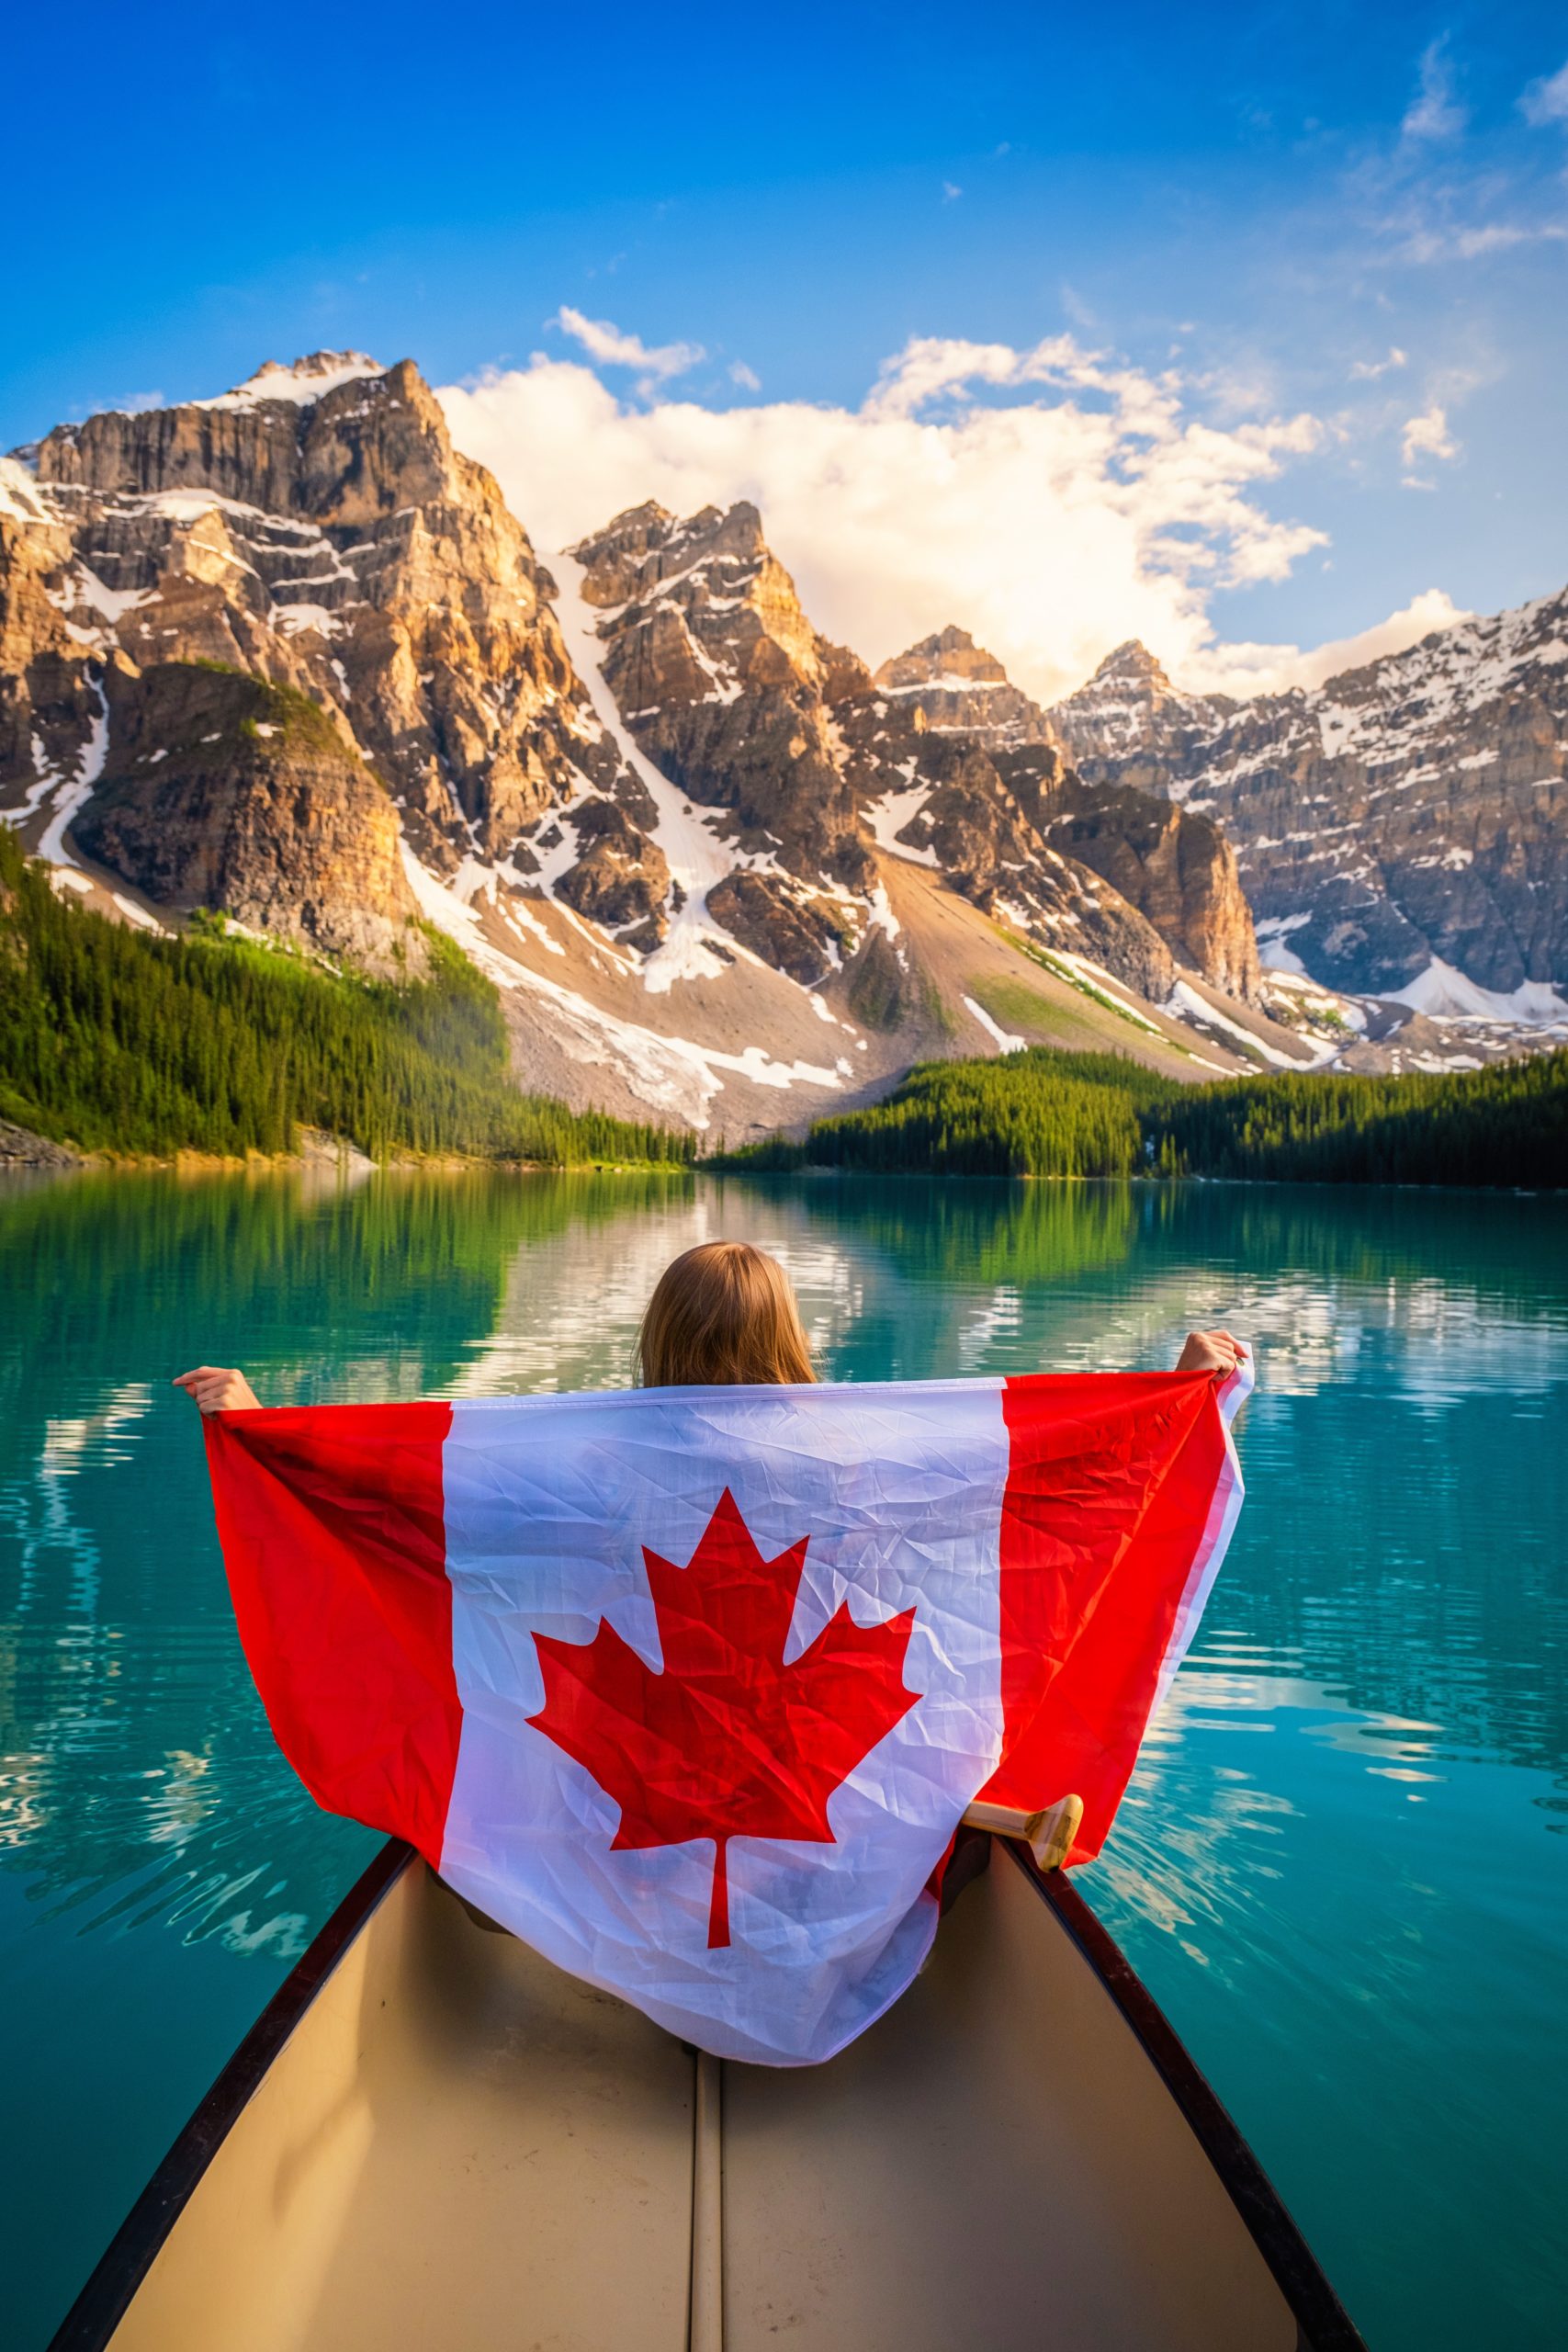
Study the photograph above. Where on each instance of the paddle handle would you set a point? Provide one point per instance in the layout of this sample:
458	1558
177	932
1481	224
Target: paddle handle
1048	1833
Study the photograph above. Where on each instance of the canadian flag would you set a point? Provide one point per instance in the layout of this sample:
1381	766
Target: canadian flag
691	1687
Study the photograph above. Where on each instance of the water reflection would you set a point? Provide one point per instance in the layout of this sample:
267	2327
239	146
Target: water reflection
1334	1862
135	1765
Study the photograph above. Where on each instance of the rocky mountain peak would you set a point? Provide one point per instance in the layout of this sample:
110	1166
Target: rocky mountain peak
980	789
626	539
1129	725
314	529
1132	659
719	677
722	608
341	450
736	532
953	687
300	383
949	652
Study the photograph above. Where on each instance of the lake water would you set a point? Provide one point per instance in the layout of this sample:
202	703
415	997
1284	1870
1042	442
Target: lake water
1342	1866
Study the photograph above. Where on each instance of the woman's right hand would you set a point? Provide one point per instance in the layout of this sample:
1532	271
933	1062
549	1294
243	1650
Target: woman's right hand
219	1391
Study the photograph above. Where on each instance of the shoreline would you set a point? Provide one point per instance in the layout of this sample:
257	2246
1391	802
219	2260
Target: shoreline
24	1153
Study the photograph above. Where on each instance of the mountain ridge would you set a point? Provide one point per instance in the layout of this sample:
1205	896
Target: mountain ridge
719	871
1408	816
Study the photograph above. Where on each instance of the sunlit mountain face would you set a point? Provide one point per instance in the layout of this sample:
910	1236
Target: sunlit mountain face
285	654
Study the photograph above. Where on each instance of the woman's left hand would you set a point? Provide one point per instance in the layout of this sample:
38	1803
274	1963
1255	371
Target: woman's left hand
217	1388
1211	1351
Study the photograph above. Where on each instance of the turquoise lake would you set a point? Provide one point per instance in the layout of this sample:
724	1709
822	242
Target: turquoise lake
1343	1864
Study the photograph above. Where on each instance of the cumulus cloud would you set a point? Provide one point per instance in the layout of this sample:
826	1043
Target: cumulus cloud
1427	436
1433	113
1546	100
612	348
1050	499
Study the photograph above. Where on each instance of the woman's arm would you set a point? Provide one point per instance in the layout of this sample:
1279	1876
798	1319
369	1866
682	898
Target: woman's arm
217	1391
1210	1352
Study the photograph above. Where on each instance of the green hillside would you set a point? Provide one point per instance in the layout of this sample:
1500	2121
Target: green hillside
115	1040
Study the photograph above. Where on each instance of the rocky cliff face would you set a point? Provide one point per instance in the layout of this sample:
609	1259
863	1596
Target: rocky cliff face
1403	828
223	791
317	529
1174	865
720	676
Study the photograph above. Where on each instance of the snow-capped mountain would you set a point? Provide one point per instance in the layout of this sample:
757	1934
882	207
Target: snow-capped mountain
286	653
1402	830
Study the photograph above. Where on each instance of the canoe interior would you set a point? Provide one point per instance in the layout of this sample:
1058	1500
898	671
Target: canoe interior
459	2149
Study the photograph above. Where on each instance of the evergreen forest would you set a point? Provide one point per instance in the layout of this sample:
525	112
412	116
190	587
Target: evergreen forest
117	1040
1041	1112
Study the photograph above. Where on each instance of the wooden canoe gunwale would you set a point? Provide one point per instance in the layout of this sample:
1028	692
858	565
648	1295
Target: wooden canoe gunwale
103	2302
91	2323
1324	2324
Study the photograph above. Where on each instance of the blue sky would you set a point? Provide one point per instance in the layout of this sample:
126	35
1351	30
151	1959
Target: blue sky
1351	215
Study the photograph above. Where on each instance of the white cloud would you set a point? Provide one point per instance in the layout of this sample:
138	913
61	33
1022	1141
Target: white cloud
1427	436
1425	238
1433	113
747	377
950	192
1546	100
1052	500
612	348
1368	370
1251	669
1500	236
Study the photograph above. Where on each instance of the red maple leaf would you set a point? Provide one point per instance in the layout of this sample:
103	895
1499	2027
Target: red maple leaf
728	1741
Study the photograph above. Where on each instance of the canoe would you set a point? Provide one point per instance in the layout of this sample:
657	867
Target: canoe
436	2141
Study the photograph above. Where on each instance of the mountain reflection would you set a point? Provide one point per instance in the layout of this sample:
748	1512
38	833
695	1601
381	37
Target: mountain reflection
138	1777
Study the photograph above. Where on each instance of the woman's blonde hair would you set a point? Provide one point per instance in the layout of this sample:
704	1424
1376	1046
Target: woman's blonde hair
722	1312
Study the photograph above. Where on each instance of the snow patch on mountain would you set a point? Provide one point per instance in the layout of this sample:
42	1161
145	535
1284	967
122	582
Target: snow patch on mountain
301	384
1186	1004
889	816
1445	994
697	858
71	795
677	1077
1005	1042
21	497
